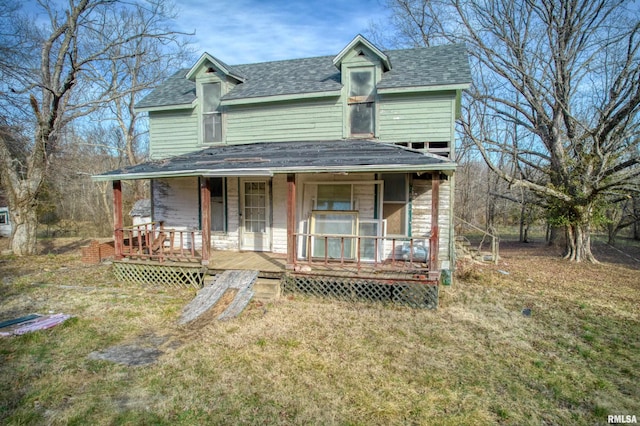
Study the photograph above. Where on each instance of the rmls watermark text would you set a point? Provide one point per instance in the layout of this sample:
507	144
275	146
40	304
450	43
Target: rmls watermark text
621	419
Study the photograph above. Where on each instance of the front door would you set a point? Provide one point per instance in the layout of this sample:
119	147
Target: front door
256	212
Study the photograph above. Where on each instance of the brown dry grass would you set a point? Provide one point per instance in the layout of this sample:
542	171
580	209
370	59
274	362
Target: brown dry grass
476	360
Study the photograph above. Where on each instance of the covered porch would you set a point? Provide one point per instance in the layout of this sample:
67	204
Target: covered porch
338	232
306	252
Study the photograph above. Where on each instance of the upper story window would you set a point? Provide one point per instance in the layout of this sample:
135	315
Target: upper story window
211	118
361	102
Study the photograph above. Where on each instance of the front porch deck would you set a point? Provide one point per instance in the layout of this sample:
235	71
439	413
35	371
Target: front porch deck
271	265
268	265
401	282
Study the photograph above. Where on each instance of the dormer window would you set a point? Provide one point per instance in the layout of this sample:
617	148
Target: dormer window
361	102
211	118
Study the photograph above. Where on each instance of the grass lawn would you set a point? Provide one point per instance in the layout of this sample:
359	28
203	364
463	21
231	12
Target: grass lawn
476	360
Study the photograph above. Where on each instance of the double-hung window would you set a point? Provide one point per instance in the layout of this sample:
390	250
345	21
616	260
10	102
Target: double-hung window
333	218
4	218
211	118
361	102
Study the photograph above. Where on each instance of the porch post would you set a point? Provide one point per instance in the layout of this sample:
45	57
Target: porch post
205	215
435	230
118	233
291	220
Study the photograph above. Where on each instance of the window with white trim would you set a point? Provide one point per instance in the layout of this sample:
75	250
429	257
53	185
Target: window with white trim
361	102
334	197
211	117
4	218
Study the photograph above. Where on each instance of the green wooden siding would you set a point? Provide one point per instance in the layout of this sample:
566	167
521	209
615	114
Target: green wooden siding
400	118
427	118
173	133
299	121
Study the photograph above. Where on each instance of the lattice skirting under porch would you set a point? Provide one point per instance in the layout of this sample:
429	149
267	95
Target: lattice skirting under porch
413	294
152	274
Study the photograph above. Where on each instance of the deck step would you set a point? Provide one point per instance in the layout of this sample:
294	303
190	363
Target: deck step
266	289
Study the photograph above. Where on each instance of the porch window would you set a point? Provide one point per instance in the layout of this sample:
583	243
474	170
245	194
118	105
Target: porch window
218	204
211	118
395	201
335	223
361	102
334	197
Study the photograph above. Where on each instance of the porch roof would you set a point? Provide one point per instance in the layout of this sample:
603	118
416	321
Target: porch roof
269	158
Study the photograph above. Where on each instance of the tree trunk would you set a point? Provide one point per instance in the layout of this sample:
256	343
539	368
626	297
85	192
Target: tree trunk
554	235
636	214
612	234
25	228
579	243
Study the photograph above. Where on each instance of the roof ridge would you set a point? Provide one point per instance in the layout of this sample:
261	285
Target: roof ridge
282	60
449	45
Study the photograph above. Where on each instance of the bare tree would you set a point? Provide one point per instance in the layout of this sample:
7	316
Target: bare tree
49	74
566	74
622	214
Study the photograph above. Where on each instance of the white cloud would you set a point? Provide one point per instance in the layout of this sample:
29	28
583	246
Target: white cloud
245	31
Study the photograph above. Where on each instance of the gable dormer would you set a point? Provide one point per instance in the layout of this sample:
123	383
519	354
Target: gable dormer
360	49
361	65
213	80
208	65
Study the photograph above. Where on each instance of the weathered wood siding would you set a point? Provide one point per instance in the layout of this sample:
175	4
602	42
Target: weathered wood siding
425	118
421	213
279	211
229	240
176	202
173	133
293	121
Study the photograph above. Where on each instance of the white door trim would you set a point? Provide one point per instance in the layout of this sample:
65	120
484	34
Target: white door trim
255	214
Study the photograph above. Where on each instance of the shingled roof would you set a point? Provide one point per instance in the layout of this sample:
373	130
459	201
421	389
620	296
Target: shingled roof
420	67
269	158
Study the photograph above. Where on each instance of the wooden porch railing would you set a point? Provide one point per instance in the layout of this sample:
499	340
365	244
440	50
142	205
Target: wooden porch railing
152	241
372	251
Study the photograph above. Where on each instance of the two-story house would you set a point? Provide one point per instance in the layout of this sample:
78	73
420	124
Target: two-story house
334	160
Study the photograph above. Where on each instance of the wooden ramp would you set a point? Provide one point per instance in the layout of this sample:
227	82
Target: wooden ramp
240	282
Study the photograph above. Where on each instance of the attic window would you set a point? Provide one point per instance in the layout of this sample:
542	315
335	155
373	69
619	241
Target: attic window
210	70
211	119
361	102
361	53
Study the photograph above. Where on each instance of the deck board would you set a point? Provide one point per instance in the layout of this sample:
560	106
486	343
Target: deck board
272	265
258	261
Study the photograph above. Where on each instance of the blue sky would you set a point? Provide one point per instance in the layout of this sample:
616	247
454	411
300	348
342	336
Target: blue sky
247	31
